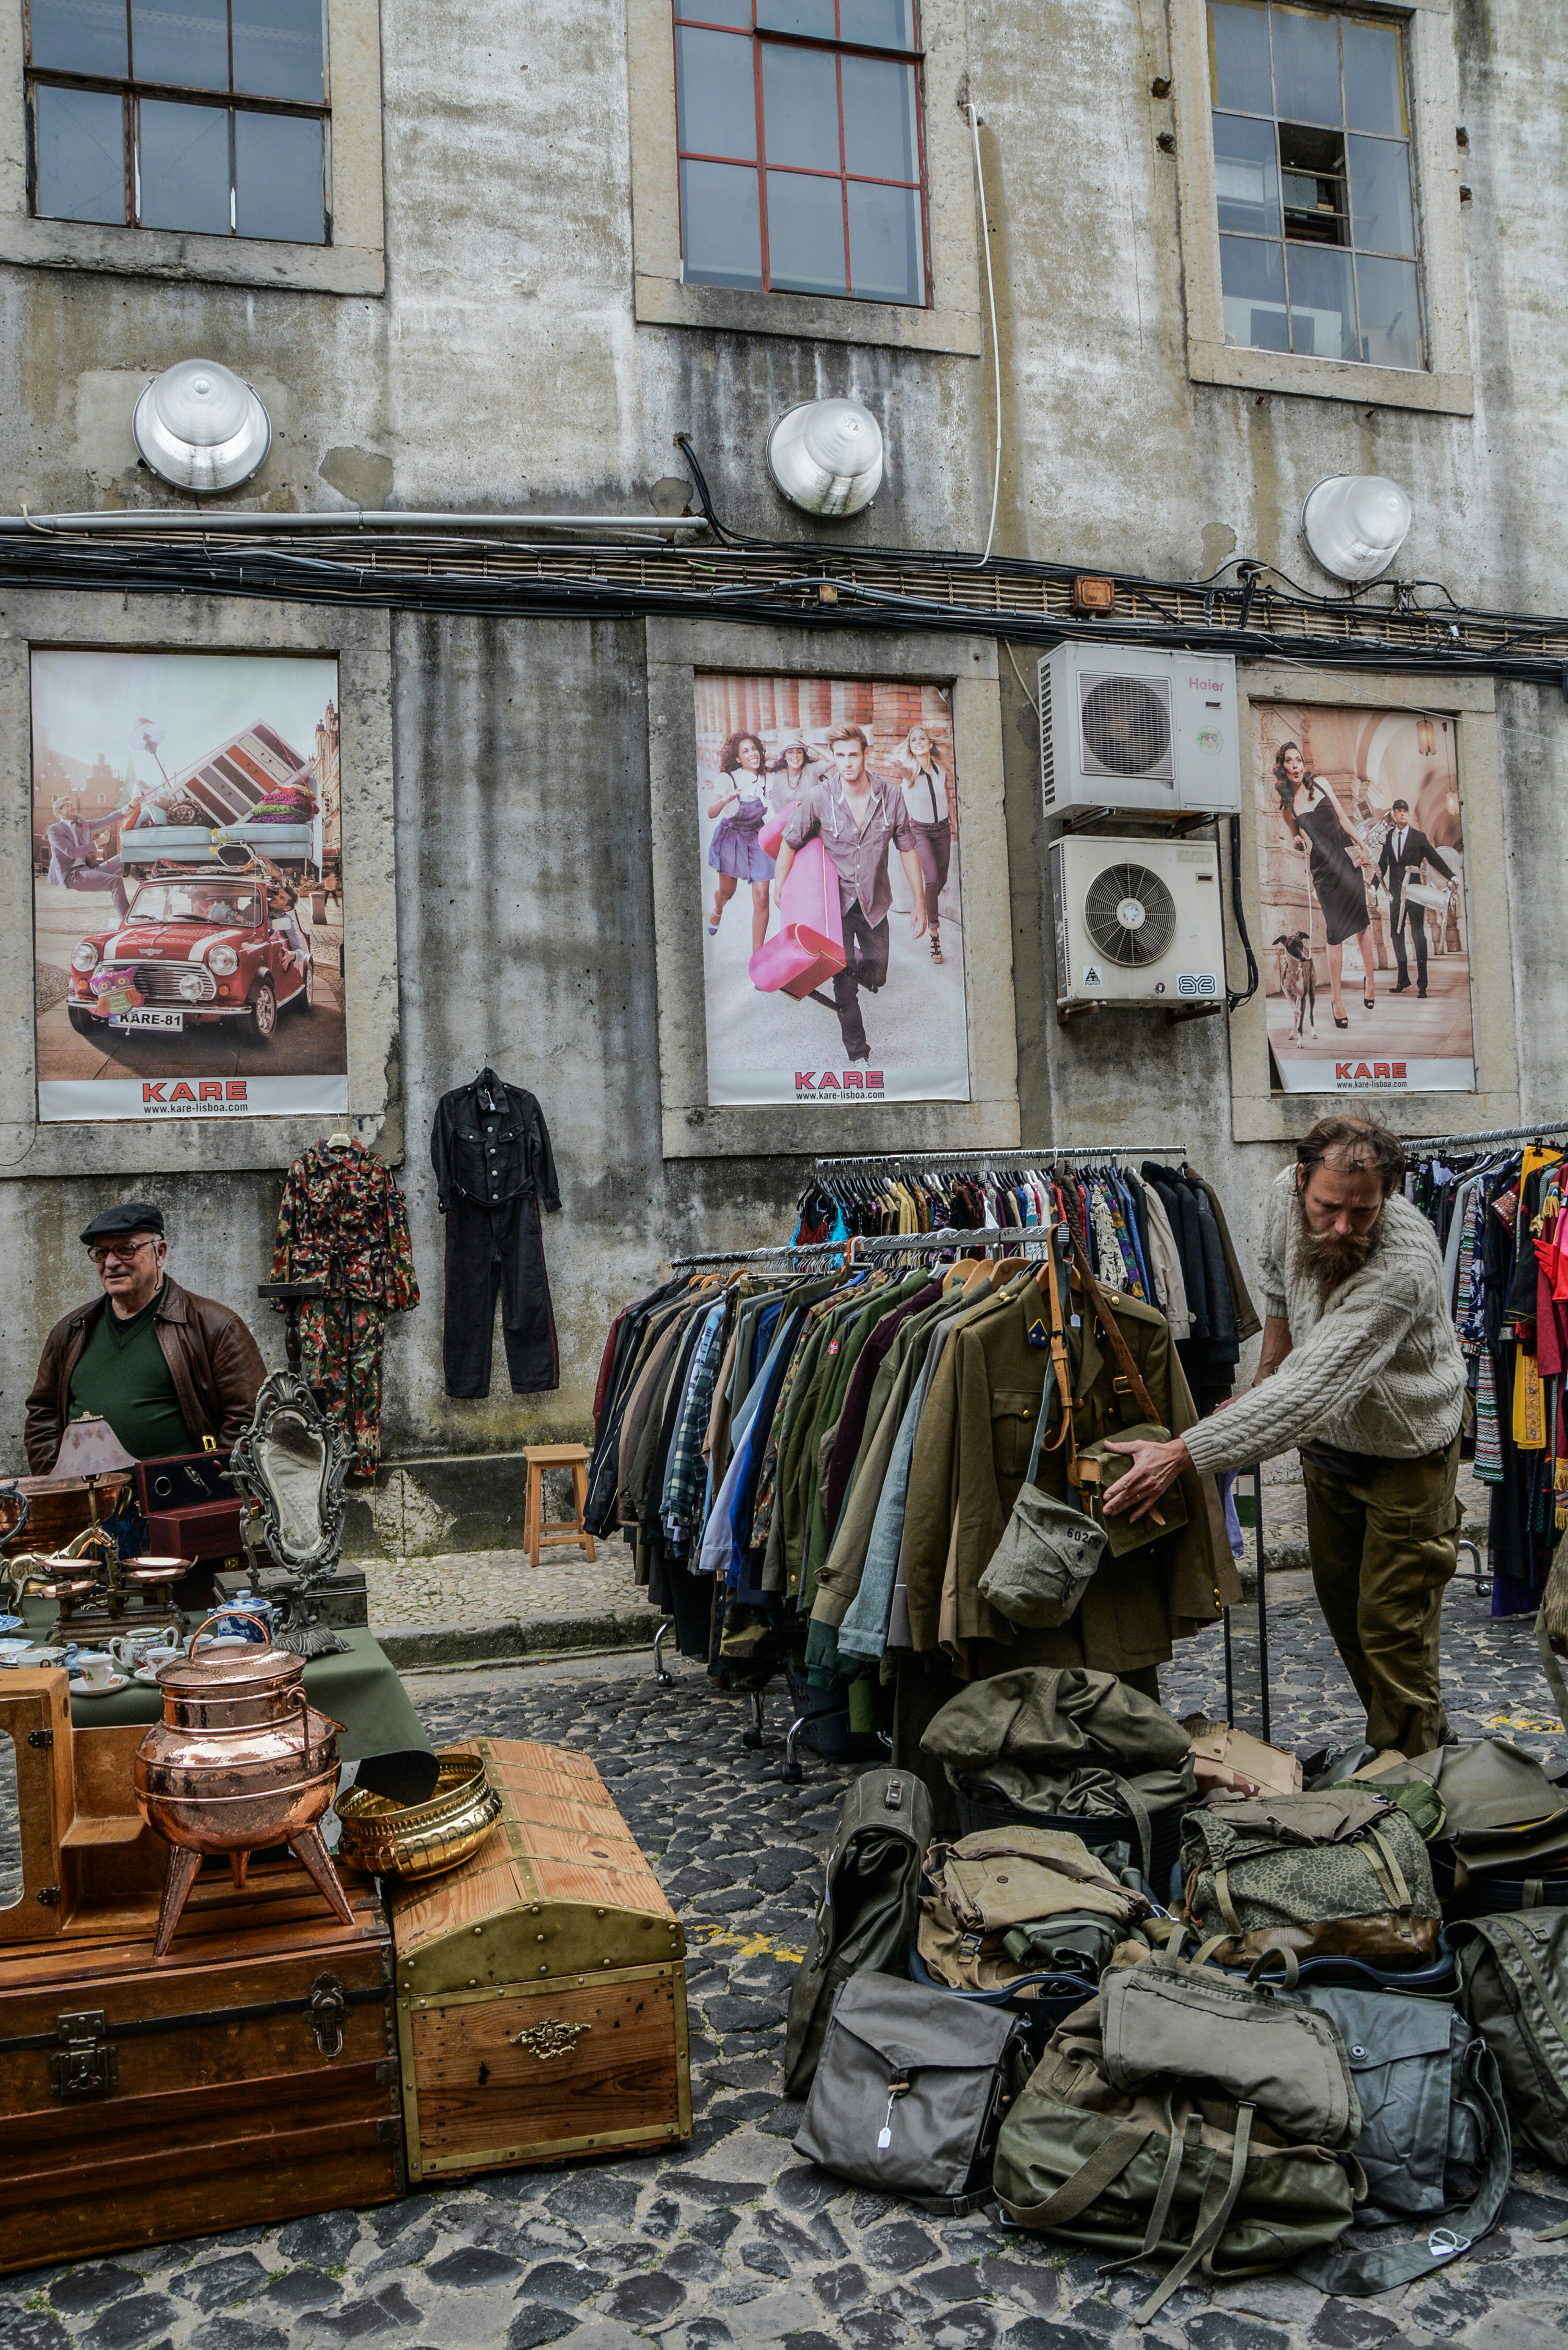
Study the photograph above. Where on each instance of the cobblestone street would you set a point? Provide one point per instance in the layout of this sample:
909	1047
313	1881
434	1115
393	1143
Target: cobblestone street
729	2237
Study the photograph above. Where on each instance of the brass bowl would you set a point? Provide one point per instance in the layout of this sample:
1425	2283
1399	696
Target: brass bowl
419	1840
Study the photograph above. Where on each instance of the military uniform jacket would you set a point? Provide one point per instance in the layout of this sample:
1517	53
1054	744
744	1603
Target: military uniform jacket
342	1220
971	1456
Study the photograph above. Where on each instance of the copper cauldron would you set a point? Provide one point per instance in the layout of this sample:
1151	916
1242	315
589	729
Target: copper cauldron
240	1760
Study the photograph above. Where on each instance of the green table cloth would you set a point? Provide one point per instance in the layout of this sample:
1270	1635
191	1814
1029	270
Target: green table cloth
360	1690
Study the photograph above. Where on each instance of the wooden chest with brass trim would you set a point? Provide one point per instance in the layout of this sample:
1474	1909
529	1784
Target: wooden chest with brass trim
541	1988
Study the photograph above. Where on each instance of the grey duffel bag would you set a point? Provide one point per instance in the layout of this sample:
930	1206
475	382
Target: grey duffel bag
911	2090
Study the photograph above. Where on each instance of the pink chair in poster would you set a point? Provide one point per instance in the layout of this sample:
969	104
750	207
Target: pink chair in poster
809	948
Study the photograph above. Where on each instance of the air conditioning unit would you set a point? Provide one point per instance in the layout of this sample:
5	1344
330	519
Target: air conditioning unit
1138	922
1154	733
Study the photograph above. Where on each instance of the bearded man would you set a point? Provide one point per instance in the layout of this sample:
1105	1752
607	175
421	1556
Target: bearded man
1361	1368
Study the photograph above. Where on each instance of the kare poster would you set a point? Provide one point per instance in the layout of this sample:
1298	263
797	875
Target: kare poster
1365	945
832	914
187	887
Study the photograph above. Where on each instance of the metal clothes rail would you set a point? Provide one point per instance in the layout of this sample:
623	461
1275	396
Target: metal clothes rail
860	1250
1541	1126
1009	1154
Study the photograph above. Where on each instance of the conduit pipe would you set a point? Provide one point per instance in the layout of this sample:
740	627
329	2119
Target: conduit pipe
265	525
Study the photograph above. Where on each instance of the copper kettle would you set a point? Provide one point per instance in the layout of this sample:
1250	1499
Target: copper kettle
240	1760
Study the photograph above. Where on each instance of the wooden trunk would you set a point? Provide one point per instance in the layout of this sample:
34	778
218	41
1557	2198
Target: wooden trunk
143	2100
541	1987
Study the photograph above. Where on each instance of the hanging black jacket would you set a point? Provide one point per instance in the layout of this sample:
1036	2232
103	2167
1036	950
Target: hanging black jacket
495	1154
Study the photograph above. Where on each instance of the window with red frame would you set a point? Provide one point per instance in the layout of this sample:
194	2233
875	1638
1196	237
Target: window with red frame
799	131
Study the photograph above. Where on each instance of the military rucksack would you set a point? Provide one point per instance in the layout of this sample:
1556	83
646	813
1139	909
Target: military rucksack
1340	1870
1513	1987
869	1904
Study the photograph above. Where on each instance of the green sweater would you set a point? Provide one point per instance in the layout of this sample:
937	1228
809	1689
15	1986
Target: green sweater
122	1375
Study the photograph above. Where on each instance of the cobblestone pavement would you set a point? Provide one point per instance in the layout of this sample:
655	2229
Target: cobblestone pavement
492	1587
729	2237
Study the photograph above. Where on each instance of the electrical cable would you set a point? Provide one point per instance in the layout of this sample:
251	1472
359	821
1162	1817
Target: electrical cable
1233	998
995	345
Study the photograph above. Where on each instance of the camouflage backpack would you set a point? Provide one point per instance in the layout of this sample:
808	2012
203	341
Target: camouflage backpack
1340	1870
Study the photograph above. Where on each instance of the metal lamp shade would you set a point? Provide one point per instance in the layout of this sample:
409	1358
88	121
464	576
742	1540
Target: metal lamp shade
825	456
199	426
1354	524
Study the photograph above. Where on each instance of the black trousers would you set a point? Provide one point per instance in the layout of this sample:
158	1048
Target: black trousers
491	1250
933	847
865	946
1417	918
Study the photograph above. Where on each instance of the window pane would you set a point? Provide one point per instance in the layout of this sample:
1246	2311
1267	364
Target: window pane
813	17
720	235
881	137
886	261
1246	175
1323	307
85	37
278	48
1306	66
80	137
877	23
715	94
1239	57
1391	313
277	177
717	12
1380	207
1253	280
805	233
800	106
1373	85
183	165
182	41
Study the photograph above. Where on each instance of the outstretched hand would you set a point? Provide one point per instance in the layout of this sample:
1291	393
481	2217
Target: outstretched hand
1154	1468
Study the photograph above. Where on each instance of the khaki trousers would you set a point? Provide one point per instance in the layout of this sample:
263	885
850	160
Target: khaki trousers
1381	1549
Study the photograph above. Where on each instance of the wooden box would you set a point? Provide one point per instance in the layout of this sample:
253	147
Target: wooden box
541	1987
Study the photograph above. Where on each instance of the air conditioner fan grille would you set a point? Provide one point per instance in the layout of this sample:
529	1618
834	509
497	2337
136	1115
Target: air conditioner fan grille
1130	915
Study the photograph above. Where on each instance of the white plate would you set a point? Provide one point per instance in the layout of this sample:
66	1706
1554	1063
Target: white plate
105	1688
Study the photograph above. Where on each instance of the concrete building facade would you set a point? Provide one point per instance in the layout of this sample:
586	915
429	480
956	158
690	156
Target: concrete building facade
503	322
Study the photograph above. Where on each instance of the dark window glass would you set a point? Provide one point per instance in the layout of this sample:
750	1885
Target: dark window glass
278	50
82	37
715	94
185	41
209	170
721	225
182	167
1312	183
832	201
80	137
277	177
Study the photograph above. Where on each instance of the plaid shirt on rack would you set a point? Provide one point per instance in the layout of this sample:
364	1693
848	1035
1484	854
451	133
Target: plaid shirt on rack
681	1504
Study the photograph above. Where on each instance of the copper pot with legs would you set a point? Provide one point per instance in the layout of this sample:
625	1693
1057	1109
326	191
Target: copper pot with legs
239	1760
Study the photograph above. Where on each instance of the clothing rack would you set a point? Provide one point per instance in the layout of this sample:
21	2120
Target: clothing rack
1010	1153
934	1244
1410	1142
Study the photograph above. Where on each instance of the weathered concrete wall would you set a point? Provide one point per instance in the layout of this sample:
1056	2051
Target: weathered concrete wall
504	367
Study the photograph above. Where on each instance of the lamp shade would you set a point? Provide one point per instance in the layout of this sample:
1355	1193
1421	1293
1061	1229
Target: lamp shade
89	1448
825	456
1355	523
201	426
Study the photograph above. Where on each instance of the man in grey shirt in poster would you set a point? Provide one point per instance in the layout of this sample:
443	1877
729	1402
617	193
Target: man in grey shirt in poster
857	816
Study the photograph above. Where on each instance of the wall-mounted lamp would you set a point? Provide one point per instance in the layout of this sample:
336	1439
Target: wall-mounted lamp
825	456
199	426
1354	524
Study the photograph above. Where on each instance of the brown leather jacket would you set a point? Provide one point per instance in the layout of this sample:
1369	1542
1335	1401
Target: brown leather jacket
215	1362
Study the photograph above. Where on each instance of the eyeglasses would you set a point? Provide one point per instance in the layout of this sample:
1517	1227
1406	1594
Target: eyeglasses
119	1252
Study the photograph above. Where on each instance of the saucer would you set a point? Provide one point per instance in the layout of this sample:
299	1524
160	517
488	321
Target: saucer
105	1688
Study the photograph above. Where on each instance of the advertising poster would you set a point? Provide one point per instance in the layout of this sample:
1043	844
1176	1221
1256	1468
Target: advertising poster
1365	945
832	916
187	887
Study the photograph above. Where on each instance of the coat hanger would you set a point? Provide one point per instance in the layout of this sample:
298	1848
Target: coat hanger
341	1141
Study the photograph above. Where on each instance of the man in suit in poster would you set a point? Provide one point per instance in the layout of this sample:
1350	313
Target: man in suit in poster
1404	850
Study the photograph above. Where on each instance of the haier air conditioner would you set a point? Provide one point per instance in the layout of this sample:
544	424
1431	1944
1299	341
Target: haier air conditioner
1138	922
1153	733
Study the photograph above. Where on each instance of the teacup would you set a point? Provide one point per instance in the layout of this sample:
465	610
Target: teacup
97	1670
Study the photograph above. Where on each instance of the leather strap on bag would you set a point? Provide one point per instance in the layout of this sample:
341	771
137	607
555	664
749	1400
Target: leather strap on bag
1062	1369
1108	1322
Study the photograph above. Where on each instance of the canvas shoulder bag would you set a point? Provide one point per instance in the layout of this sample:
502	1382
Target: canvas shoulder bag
1049	1549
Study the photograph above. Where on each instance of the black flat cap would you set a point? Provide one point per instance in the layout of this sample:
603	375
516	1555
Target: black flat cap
118	1224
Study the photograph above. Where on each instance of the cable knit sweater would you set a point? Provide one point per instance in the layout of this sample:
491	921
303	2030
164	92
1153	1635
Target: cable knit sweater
1377	1369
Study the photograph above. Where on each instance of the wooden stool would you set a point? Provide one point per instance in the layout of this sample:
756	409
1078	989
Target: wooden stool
536	1534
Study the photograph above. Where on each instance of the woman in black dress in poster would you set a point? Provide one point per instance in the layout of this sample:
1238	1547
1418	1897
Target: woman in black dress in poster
1336	863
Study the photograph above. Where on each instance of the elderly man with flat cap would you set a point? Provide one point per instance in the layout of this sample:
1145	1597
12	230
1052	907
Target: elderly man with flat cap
165	1368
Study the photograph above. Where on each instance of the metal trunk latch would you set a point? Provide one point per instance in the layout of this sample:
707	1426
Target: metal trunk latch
88	2063
326	2009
